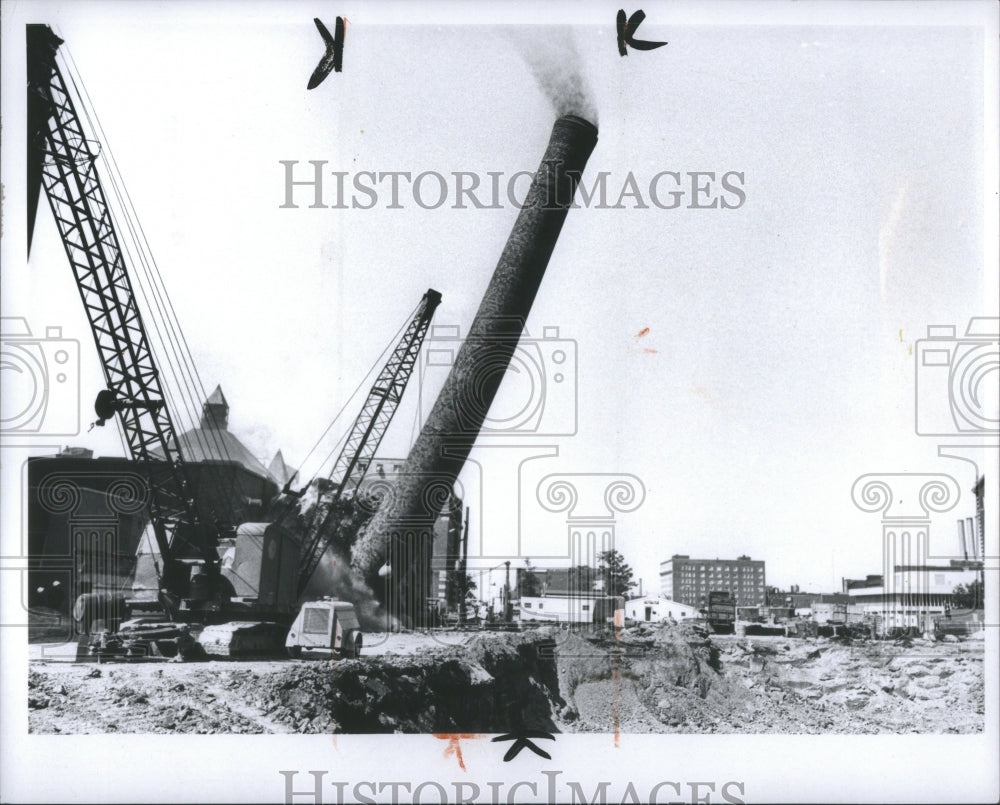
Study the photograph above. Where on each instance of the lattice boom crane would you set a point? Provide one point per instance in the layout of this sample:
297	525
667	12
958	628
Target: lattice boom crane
61	153
367	431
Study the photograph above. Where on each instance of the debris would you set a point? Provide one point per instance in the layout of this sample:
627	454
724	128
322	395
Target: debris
661	679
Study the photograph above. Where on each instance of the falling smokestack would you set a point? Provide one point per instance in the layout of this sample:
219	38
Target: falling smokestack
971	535
401	531
962	541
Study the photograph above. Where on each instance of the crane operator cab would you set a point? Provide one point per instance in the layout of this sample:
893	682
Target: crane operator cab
327	625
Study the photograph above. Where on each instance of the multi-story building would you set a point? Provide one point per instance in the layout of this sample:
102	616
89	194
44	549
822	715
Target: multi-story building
689	581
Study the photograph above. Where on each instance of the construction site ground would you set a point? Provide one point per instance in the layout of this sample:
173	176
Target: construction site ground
645	679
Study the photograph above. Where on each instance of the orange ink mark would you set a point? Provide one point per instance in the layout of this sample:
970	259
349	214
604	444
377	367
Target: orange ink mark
642	333
454	747
649	351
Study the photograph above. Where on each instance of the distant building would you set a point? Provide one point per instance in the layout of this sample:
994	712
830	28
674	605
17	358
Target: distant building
279	470
911	597
839	612
594	608
654	610
798	600
689	581
448	527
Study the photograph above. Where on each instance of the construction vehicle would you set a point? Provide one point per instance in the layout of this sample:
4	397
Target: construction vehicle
235	588
349	469
959	623
721	612
326	625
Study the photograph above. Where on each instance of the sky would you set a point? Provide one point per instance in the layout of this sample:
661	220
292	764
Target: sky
747	365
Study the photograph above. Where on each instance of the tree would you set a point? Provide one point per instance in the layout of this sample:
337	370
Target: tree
617	574
528	583
581	579
968	596
464	587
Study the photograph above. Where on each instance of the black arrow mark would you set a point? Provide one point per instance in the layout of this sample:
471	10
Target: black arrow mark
626	33
333	59
522	740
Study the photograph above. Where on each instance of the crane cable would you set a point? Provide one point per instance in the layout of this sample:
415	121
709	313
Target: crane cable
173	343
337	448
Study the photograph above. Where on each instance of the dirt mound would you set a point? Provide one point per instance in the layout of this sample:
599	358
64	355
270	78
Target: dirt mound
493	683
649	679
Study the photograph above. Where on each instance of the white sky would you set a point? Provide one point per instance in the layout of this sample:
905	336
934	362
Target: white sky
782	330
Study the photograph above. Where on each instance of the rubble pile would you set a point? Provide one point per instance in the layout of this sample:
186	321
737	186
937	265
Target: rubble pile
119	700
651	679
646	679
916	686
493	683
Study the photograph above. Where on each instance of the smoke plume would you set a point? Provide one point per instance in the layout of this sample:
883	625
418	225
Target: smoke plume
334	575
551	55
336	578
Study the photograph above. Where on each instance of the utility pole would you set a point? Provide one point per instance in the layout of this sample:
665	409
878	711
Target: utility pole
463	589
508	607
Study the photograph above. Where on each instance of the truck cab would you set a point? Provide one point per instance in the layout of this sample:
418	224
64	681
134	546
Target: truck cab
326	625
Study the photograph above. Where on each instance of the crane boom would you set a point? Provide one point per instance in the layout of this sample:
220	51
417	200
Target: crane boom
239	588
62	154
368	429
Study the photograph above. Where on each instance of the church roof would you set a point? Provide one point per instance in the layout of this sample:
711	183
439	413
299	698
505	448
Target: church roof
279	470
217	398
213	441
215	444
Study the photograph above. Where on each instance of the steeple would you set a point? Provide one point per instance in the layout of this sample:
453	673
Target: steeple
279	469
215	411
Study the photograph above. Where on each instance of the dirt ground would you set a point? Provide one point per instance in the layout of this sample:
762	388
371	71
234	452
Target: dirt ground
666	679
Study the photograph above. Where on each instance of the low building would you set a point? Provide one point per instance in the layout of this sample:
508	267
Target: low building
690	581
912	596
837	612
594	608
568	595
654	610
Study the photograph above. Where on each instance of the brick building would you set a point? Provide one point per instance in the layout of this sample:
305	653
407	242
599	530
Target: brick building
689	581
86	515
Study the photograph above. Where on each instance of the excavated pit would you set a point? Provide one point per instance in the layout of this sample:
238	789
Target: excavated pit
493	683
646	679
